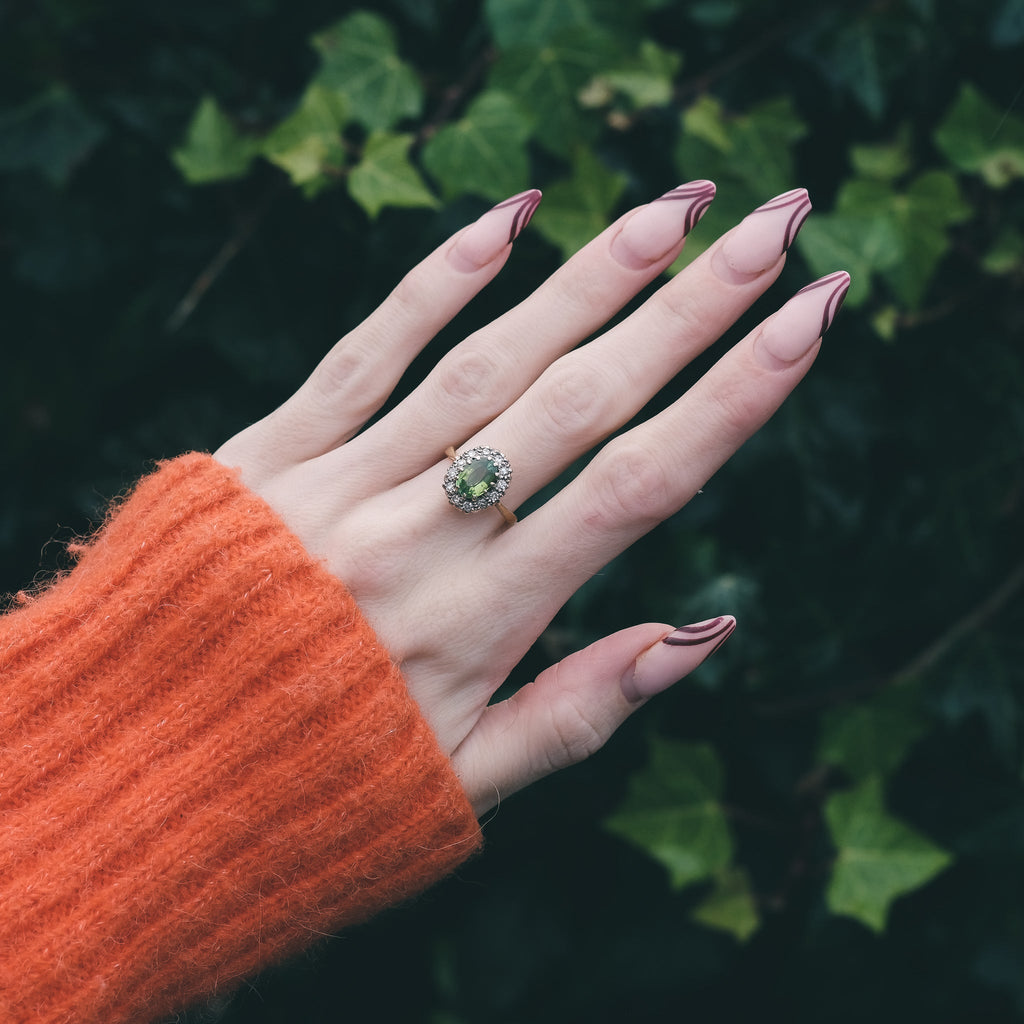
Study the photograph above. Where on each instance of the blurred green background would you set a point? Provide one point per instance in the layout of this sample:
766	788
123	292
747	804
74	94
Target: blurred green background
827	821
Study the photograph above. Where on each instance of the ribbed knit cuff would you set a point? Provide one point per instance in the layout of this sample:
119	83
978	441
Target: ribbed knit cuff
207	759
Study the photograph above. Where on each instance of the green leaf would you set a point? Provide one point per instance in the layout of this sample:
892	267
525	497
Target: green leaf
385	177
1007	28
1006	255
308	142
484	151
537	22
574	211
715	14
213	150
856	62
672	811
885	161
923	216
646	78
748	155
860	244
873	738
52	133
879	857
705	119
982	139
360	60
547	81
730	906
878	230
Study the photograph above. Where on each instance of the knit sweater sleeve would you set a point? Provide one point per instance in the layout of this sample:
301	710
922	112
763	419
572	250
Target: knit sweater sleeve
207	759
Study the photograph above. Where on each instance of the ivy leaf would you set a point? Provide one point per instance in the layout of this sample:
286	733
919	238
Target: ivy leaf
730	905
885	161
537	22
713	14
923	216
873	738
876	229
1007	28
982	139
308	142
548	80
879	858
672	811
1006	255
385	177
574	211
646	79
749	156
51	133
484	151
213	149
855	62
360	60
857	243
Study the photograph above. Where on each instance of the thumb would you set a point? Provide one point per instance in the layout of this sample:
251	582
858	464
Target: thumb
571	709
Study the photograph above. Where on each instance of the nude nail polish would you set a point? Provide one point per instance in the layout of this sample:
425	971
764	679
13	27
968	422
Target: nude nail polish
658	228
795	328
675	656
497	229
761	238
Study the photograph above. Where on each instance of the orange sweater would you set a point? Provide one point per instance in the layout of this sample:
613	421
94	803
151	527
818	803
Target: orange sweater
207	760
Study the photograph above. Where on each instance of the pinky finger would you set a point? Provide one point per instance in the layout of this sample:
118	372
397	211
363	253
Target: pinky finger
572	708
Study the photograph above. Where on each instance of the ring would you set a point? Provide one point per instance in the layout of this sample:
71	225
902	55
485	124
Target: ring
477	479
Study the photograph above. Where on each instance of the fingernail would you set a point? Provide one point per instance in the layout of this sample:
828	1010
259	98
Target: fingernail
657	228
675	656
793	331
760	239
497	229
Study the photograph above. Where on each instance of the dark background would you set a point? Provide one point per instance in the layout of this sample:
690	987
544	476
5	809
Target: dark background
869	539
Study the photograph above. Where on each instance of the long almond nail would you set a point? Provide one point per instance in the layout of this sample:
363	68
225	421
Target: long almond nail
795	328
760	239
674	657
497	229
658	228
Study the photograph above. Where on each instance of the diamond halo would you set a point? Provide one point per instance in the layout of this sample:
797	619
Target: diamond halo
477	479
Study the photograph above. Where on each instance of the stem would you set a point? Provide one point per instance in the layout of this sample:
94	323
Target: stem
927	659
212	271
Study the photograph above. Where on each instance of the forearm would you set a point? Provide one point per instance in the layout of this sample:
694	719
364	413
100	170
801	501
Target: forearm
207	760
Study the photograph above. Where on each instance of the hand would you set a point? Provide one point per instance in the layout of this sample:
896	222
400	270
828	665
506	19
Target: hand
459	598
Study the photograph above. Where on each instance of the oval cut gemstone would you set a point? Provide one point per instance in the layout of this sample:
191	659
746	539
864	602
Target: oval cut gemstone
477	479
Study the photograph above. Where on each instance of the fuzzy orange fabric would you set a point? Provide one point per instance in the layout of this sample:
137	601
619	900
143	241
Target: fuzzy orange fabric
207	760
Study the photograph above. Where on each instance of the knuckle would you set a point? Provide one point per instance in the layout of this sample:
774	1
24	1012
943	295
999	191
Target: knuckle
470	378
374	556
577	735
735	409
575	397
587	295
681	310
412	296
341	372
632	487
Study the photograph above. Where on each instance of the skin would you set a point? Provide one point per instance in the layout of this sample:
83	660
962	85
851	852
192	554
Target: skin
523	386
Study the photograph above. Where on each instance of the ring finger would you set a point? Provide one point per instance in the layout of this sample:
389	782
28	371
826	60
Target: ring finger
647	474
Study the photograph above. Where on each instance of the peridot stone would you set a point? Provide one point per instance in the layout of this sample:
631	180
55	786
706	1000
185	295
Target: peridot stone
477	479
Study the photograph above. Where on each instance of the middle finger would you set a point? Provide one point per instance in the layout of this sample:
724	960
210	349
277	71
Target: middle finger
588	393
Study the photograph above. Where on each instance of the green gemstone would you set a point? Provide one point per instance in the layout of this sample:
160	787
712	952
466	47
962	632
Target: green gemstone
477	479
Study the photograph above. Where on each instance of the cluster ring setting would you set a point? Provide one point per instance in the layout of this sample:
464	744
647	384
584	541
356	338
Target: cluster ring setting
477	479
